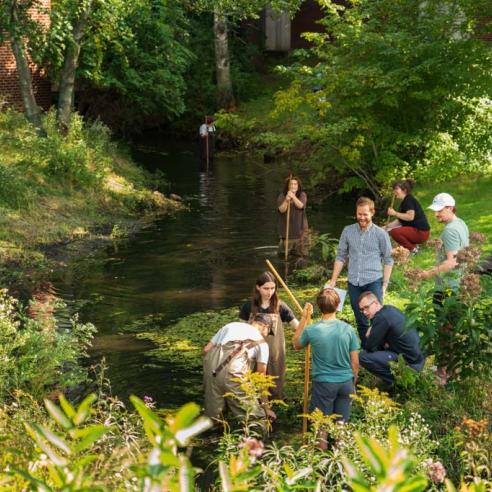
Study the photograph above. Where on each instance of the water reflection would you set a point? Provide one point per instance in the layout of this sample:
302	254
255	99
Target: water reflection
207	258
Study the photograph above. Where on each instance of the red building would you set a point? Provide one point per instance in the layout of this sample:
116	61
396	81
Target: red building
9	81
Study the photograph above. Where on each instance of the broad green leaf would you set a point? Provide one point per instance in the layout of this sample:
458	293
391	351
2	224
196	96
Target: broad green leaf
58	415
66	406
89	436
84	409
185	417
185	435
38	438
152	423
52	438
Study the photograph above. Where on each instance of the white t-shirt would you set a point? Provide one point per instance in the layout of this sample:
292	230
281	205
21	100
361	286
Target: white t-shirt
237	331
204	127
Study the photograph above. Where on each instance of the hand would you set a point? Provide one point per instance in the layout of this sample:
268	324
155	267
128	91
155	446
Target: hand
385	288
391	211
290	195
330	285
426	274
271	414
308	310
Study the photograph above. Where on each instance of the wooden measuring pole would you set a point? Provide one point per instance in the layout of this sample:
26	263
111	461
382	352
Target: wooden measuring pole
391	206
287	223
206	142
307	352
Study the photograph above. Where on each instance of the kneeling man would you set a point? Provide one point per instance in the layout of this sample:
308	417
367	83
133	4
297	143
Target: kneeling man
233	351
387	338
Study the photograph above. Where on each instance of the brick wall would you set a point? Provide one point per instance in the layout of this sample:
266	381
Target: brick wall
9	82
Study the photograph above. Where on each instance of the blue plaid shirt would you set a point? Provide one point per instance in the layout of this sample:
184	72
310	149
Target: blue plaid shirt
366	251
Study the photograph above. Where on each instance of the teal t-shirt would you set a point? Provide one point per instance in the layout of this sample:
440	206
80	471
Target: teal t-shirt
331	343
454	237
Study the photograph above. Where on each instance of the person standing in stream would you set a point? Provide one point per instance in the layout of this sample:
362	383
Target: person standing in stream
265	300
294	198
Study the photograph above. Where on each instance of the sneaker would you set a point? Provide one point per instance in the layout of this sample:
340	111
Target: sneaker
415	250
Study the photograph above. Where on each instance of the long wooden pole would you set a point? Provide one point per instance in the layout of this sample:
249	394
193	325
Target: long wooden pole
206	143
391	206
287	223
307	352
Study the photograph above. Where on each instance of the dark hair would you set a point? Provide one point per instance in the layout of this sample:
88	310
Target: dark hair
287	183
363	201
328	301
256	301
369	294
209	119
264	319
404	184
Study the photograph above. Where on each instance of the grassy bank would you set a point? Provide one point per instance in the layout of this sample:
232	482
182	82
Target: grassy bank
58	189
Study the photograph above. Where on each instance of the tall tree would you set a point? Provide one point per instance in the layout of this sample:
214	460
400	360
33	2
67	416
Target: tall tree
17	25
79	14
226	13
403	89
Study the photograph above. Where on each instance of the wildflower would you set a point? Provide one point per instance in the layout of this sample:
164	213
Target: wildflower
435	471
254	446
469	255
436	243
401	255
413	276
478	237
470	286
149	401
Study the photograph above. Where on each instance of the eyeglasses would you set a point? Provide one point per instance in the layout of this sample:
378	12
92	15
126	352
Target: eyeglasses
363	309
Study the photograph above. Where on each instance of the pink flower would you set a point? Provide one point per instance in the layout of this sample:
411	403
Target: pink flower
149	401
255	447
435	471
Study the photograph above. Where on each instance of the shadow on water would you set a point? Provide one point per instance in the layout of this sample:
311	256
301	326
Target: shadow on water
207	258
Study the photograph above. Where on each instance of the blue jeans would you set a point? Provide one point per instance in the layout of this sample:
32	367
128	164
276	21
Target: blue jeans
333	398
378	363
354	291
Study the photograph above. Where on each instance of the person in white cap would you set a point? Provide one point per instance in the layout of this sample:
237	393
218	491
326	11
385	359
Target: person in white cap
454	237
447	272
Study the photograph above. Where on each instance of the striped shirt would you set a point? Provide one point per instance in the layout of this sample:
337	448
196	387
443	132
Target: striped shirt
365	250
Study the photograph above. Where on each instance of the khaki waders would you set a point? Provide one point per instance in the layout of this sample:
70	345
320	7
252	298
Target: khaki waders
221	364
276	359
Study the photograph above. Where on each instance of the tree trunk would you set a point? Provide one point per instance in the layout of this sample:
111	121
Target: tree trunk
225	96
67	77
33	112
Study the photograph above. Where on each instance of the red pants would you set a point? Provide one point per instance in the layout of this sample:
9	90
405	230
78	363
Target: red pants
408	237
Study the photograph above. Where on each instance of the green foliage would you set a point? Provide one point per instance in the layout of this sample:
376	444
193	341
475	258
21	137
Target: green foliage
404	90
166	467
35	355
66	459
393	468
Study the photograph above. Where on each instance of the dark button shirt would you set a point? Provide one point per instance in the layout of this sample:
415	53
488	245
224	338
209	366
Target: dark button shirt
388	327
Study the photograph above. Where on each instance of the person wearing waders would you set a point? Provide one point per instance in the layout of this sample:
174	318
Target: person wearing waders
292	203
233	351
265	300
207	139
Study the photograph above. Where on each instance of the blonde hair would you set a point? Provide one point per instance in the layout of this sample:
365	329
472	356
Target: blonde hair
363	201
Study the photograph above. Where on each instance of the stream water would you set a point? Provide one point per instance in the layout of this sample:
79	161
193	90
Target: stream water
201	259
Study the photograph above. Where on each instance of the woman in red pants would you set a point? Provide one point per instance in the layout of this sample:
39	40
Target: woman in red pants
410	226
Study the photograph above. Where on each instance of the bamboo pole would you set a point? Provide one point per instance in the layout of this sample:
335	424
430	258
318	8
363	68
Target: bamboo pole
307	352
287	223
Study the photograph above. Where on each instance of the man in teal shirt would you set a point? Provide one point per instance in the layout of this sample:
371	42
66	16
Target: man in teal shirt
335	358
447	272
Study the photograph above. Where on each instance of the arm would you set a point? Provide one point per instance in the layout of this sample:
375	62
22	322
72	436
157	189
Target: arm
296	340
377	333
354	362
409	215
446	266
387	269
208	347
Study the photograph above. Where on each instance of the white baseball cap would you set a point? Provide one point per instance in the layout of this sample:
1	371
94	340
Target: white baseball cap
442	200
